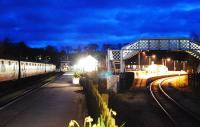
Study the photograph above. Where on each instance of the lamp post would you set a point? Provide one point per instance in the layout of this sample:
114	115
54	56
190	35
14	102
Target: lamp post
150	57
164	61
175	64
139	61
184	65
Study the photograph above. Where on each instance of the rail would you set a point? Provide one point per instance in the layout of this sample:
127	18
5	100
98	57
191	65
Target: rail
176	113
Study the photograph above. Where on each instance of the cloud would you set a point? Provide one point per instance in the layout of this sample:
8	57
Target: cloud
62	22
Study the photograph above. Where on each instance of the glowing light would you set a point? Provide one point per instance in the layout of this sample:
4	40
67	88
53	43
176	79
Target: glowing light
157	69
87	64
154	56
168	59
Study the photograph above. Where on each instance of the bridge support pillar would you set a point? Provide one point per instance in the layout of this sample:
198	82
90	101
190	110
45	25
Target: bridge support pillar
108	61
122	63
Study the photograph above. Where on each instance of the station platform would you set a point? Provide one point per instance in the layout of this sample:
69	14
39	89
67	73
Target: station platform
53	105
142	78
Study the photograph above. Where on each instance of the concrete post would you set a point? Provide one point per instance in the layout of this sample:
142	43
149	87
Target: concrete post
108	61
139	61
121	61
174	65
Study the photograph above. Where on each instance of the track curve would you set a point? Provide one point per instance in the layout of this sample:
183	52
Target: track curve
177	114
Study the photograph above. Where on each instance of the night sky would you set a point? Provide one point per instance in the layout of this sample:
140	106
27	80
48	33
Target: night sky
67	22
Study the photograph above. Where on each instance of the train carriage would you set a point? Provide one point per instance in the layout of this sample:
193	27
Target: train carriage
9	69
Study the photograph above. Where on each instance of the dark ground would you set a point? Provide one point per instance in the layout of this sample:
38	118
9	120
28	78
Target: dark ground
138	109
53	105
186	97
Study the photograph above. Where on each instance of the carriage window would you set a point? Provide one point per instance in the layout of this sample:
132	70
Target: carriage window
2	67
9	63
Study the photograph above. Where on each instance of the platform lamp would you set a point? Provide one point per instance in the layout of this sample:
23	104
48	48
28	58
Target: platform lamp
150	58
184	64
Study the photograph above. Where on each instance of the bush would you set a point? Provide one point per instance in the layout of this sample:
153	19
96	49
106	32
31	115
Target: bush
77	74
97	108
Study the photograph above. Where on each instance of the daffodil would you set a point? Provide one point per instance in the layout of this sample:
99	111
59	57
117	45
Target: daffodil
88	119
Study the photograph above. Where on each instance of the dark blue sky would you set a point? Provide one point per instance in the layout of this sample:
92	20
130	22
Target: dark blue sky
69	22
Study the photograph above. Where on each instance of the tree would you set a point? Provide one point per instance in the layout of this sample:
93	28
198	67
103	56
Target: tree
92	47
78	49
194	37
67	49
107	46
22	50
119	46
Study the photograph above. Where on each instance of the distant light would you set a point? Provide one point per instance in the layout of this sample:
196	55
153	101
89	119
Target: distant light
168	59
153	56
87	64
157	69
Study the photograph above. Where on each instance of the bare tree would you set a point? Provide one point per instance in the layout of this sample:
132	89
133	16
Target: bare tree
194	37
92	47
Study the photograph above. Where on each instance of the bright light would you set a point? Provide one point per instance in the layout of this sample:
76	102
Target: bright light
152	68
157	69
168	59
154	56
87	64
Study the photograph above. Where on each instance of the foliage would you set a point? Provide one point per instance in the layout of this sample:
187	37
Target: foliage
105	118
92	47
77	74
88	122
20	51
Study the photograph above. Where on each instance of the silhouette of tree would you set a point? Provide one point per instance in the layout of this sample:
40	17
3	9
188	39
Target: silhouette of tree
119	46
92	47
107	46
79	49
66	49
194	37
22	50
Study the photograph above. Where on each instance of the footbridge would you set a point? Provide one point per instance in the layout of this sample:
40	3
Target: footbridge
126	52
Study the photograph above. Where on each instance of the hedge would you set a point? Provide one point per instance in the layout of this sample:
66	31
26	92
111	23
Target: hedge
97	108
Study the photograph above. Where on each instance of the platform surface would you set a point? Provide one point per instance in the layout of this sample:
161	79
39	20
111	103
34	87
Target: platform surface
53	105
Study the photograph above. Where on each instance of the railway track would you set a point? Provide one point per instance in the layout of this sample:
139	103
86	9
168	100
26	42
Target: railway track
177	114
26	91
